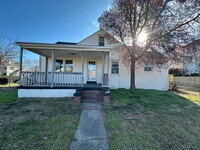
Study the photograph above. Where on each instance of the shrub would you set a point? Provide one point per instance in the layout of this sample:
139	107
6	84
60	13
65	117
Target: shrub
3	81
195	74
11	79
174	87
177	71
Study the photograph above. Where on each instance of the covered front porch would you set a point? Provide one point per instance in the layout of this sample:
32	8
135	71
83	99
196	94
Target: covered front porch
66	66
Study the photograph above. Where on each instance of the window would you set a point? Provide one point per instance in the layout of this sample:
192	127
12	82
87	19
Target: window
101	40
59	65
147	67
115	68
69	65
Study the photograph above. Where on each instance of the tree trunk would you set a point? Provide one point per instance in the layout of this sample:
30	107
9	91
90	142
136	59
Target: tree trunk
132	72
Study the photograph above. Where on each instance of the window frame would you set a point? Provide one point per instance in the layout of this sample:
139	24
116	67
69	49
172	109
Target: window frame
72	65
114	61
148	66
61	66
101	43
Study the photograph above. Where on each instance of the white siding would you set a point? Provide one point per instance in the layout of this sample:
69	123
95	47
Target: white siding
77	66
155	79
93	39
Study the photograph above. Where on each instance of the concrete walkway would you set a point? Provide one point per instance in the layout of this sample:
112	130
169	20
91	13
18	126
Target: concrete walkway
91	134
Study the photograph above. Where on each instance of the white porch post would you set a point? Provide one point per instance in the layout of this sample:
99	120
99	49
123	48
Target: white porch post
46	70
40	63
108	64
20	66
102	68
82	68
52	67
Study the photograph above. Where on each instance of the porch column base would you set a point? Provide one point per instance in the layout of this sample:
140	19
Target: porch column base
77	96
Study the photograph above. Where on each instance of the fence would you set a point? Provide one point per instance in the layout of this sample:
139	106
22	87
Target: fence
187	81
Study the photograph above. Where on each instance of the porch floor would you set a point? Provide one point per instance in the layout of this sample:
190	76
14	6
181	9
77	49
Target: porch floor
92	85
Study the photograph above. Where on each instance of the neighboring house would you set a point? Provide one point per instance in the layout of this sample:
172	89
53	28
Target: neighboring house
12	68
191	62
90	63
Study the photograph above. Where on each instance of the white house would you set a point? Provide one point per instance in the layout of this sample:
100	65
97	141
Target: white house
90	63
11	68
191	62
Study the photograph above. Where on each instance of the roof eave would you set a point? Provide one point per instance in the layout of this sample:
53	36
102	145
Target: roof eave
28	45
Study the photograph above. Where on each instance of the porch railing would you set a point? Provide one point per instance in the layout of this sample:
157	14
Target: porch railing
44	79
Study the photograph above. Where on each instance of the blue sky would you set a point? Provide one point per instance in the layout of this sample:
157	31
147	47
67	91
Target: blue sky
50	20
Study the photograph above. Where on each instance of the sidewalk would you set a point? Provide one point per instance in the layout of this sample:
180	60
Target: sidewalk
91	134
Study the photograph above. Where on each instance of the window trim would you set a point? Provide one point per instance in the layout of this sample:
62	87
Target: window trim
115	61
60	70
148	65
102	36
95	60
65	67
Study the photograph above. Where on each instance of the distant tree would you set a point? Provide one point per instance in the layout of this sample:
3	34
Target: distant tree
7	52
177	71
151	30
32	65
192	54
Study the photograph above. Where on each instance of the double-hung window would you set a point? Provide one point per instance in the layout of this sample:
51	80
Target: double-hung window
101	41
59	65
69	65
115	67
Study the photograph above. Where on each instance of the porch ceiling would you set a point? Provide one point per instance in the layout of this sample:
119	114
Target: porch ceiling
68	53
63	50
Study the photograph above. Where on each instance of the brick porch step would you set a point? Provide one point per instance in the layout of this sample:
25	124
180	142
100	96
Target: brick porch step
91	96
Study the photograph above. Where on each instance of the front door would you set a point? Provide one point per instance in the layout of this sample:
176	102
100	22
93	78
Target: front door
92	71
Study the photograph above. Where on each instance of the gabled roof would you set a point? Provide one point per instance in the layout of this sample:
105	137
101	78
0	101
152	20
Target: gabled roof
97	32
89	36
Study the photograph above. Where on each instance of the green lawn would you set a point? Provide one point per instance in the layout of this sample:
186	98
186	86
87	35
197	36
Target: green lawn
8	94
150	119
38	124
